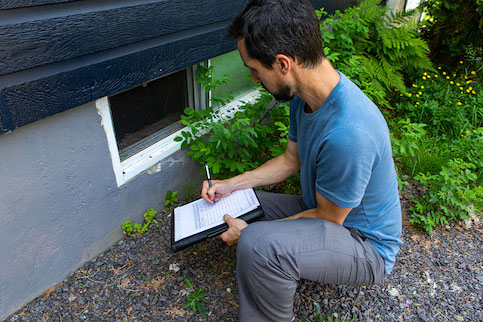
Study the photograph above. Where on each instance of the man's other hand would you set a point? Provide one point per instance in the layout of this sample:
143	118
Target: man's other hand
235	227
218	190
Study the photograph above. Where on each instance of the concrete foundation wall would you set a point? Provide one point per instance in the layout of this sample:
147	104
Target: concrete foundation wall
59	202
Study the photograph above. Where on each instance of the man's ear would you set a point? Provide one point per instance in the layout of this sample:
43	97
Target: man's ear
284	63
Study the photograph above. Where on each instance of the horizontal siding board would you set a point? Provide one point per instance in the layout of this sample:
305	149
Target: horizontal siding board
36	43
43	97
12	4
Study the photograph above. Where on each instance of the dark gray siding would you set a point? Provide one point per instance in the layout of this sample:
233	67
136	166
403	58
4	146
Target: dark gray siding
10	4
59	54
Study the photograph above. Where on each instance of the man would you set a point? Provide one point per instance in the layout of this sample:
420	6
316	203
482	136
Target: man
346	226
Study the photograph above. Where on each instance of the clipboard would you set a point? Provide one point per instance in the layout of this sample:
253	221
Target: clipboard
211	232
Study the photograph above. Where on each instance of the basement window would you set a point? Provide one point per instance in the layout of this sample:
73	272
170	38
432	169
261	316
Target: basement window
148	113
142	122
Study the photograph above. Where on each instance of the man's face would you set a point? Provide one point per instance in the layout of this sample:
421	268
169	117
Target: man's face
270	79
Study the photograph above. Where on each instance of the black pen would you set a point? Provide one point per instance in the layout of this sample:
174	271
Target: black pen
209	178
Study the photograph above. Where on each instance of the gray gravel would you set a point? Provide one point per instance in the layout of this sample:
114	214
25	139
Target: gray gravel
437	278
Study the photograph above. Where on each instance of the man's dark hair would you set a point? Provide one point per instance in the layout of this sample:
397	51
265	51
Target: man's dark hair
272	27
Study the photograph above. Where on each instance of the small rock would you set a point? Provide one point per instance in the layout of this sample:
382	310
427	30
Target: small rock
72	297
394	292
174	267
228	290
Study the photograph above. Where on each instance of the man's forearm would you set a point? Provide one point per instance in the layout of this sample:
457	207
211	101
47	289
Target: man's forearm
274	171
313	213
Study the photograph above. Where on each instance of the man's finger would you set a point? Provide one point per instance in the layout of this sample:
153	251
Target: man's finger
224	236
227	219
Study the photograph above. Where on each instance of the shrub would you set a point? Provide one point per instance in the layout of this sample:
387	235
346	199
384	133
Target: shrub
372	46
231	145
448	195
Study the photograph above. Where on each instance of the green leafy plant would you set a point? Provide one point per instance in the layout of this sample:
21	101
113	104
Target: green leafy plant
233	143
210	83
195	299
451	103
170	198
330	318
448	195
129	229
373	46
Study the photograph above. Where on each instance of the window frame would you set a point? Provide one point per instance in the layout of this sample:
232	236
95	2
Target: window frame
149	158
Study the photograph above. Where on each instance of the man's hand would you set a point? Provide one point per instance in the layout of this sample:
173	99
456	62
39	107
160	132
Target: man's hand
219	189
235	227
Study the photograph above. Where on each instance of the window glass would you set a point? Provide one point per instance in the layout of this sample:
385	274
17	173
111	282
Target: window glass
232	65
149	112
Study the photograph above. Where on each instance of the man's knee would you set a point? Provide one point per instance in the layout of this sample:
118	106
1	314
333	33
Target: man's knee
255	243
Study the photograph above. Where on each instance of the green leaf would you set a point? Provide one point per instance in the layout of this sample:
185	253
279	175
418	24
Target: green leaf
188	283
201	309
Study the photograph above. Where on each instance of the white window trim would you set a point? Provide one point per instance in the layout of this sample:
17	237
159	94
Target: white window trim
149	157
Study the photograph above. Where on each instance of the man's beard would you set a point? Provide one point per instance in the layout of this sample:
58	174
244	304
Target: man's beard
283	95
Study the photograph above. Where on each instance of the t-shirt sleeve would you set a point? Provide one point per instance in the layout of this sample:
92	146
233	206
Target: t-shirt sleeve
292	130
344	166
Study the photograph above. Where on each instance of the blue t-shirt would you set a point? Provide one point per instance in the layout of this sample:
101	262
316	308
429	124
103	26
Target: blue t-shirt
345	153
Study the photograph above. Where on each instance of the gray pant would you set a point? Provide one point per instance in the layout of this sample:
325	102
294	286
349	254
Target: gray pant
273	255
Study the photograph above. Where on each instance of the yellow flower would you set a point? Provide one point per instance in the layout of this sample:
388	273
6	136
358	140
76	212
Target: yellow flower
458	84
420	93
422	87
439	67
473	72
468	82
424	77
451	82
444	73
414	85
417	103
474	131
425	74
429	76
462	136
459	103
461	88
467	132
461	62
473	92
400	94
470	88
409	94
467	91
466	77
396	90
417	95
447	77
450	102
454	75
435	75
